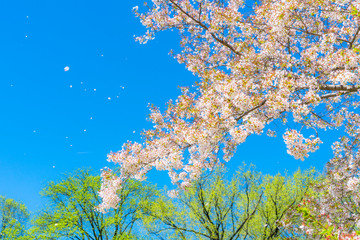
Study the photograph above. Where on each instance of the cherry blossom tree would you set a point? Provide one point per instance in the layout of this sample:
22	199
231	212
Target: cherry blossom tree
260	65
334	212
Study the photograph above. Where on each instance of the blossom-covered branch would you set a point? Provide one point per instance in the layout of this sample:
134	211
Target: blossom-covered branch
280	61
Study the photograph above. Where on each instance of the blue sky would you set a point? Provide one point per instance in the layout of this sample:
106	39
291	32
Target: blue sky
54	121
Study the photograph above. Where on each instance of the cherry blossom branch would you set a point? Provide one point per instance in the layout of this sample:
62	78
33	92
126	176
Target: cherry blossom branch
339	88
315	34
250	110
354	38
222	41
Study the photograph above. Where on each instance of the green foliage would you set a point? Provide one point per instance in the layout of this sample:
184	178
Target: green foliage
72	214
13	217
249	206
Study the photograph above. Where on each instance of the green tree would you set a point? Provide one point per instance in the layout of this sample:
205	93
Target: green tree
249	206
72	214
13	217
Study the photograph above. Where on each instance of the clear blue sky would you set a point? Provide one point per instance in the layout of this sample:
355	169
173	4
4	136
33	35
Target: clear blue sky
43	119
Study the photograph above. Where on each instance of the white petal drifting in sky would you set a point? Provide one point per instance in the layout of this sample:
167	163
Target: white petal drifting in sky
66	68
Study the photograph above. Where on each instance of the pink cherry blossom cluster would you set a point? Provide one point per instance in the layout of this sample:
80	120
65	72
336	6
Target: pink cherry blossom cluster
285	62
109	191
298	146
334	209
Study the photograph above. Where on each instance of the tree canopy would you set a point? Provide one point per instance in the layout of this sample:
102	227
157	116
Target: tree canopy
248	206
13	218
72	214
